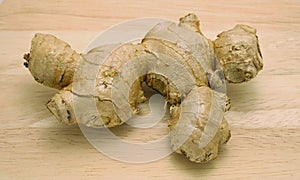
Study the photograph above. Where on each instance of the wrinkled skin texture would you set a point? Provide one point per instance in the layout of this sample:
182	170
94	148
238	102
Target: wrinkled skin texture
239	53
195	92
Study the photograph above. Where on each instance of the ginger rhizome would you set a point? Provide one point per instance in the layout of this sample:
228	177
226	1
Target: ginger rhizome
176	60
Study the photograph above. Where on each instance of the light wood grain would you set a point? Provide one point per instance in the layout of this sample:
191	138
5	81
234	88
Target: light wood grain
265	115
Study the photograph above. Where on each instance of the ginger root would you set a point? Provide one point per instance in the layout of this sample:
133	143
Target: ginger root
240	58
52	61
174	59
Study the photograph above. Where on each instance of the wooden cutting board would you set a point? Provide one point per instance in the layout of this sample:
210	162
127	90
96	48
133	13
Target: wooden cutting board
265	114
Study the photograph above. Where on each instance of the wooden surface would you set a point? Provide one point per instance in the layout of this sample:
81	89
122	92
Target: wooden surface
265	115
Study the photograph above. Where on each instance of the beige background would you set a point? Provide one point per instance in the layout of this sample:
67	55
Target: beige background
265	115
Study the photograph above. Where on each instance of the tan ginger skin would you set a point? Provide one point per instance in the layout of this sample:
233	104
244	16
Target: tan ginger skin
53	63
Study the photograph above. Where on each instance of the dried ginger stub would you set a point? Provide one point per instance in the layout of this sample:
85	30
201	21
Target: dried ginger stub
239	53
174	59
51	61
